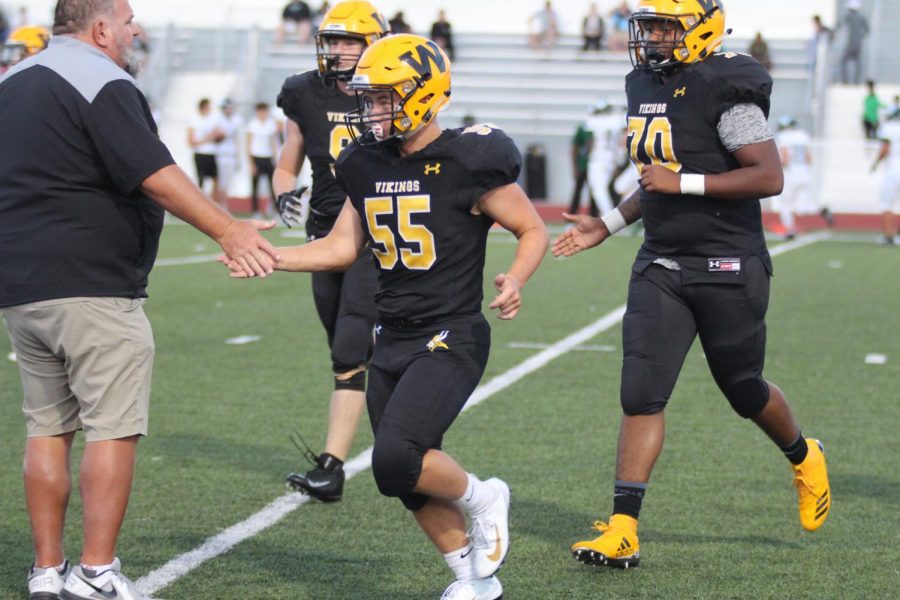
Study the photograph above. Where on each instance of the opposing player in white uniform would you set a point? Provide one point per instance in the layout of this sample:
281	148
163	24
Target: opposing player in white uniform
795	147
890	185
606	124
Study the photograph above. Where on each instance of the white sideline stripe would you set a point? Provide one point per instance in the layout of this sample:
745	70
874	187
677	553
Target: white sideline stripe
203	258
185	260
284	505
291	501
537	346
799	242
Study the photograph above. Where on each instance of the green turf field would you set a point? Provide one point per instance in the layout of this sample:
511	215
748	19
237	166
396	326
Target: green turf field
719	520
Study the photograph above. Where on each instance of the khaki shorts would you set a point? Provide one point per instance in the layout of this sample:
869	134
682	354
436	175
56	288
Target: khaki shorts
85	364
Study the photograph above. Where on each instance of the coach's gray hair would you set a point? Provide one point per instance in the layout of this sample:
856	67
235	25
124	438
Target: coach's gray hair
75	16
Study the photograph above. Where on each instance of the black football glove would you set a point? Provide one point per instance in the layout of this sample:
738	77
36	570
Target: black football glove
290	206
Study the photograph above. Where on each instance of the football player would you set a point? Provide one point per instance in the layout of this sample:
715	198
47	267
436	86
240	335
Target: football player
606	124
890	185
22	43
794	147
699	137
425	199
315	103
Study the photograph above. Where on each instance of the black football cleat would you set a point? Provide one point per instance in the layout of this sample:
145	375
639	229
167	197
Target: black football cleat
325	482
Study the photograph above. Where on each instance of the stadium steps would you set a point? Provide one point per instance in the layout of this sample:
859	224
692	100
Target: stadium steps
846	156
538	96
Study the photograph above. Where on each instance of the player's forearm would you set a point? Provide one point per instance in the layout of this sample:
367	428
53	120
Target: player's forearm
283	181
753	182
631	207
530	251
319	255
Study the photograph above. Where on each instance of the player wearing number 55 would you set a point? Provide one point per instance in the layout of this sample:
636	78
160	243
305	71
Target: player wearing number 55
698	136
424	199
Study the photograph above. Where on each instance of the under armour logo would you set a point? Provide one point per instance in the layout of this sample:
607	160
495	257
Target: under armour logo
433	169
680	92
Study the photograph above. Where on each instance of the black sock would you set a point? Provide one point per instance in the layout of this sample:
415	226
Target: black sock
330	462
796	452
627	498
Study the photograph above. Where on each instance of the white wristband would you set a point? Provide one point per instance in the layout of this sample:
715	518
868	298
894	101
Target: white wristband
614	221
695	185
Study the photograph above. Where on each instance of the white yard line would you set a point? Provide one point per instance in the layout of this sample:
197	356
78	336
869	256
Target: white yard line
286	504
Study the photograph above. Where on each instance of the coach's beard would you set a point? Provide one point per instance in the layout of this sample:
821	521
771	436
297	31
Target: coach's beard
131	64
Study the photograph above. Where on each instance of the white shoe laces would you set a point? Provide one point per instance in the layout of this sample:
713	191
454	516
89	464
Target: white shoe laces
481	534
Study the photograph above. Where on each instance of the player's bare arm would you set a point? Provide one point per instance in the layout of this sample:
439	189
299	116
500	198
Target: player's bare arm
510	207
172	189
590	231
334	252
759	176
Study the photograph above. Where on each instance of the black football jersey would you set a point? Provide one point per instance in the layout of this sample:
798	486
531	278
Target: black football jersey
674	122
319	113
417	211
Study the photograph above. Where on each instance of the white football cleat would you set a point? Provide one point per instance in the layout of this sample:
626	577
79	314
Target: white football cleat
490	532
488	588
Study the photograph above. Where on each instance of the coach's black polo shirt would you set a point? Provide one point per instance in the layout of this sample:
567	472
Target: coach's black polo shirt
76	141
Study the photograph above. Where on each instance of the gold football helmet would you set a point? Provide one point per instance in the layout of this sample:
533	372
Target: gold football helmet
22	43
357	20
415	69
691	30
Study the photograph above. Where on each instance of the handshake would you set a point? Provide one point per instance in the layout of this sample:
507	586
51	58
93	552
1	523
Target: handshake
293	206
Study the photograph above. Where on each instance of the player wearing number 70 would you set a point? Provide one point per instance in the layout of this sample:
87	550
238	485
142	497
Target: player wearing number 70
425	198
699	139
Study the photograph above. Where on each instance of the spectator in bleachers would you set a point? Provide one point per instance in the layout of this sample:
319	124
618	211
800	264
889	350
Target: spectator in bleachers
262	147
857	29
227	162
399	24
871	112
543	27
296	17
442	33
820	41
592	29
204	133
618	21
759	50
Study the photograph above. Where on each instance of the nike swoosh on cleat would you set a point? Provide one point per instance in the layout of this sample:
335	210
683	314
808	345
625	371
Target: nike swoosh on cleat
111	594
495	556
317	484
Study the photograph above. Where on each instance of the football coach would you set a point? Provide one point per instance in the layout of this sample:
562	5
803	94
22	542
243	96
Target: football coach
84	184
